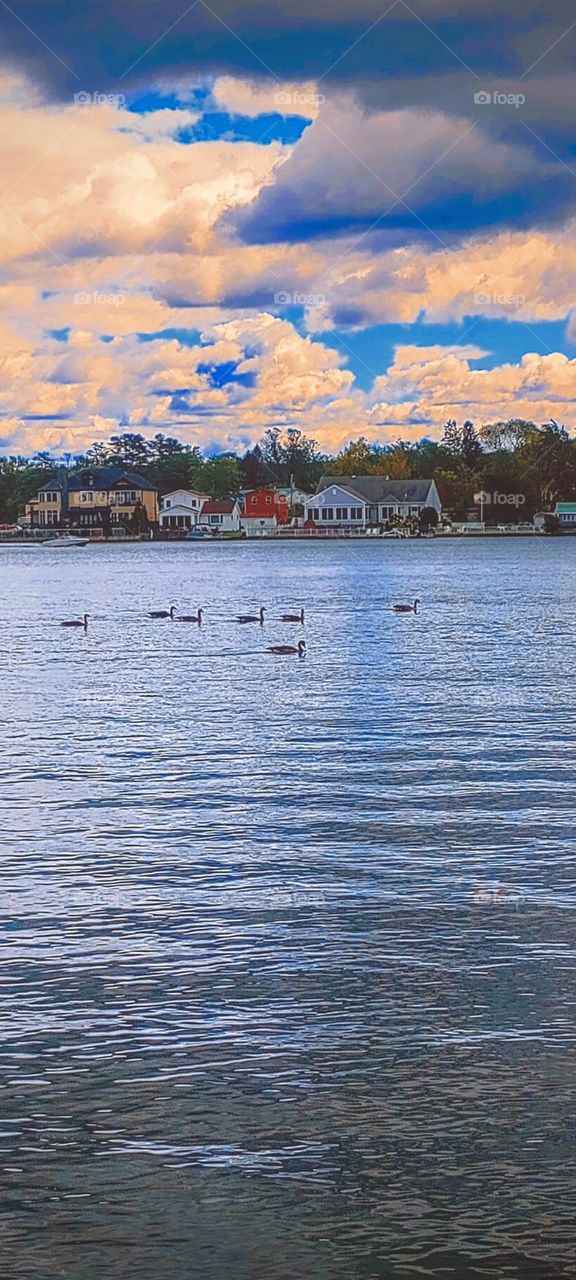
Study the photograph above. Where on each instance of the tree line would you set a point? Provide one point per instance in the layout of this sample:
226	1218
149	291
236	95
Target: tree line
535	465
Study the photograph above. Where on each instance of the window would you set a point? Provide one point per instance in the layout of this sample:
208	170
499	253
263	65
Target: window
254	500
215	519
341	513
328	513
268	500
355	513
167	503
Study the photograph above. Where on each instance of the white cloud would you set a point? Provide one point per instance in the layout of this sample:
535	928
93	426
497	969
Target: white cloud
267	97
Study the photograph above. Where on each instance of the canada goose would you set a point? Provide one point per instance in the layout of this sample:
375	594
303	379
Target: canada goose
190	617
77	622
300	648
294	617
251	617
163	613
406	608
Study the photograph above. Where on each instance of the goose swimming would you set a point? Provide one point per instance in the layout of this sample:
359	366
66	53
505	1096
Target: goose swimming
299	649
77	622
190	617
251	617
163	613
406	608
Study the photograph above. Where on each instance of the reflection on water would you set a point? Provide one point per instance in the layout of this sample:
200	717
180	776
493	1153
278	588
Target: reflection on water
287	984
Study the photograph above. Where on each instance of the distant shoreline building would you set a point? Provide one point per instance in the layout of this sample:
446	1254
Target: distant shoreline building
180	509
94	498
263	510
361	502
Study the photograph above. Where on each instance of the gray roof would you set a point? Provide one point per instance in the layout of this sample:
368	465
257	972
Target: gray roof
98	478
377	489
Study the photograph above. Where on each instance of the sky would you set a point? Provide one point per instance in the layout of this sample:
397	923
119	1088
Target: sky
350	218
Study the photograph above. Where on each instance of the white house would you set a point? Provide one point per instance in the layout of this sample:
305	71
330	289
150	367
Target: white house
363	501
222	516
181	509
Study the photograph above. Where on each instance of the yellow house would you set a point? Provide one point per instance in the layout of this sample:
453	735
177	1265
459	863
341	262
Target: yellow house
95	498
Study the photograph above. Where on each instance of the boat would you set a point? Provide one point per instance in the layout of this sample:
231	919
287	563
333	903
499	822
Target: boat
66	541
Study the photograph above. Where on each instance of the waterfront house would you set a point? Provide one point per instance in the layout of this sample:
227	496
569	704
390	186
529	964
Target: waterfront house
263	510
222	515
359	502
296	498
566	512
94	498
181	509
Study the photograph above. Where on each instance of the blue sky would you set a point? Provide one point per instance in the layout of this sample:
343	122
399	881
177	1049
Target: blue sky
351	218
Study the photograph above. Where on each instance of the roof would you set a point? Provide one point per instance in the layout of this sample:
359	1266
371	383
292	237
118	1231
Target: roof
218	508
193	493
56	484
565	508
374	489
99	478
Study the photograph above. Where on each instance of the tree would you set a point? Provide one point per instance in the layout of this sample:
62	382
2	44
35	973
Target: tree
138	522
551	523
428	519
463	443
289	457
509	435
130	450
221	476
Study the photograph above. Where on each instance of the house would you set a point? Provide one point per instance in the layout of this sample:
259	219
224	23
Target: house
181	509
263	510
363	501
94	498
294	497
566	512
223	516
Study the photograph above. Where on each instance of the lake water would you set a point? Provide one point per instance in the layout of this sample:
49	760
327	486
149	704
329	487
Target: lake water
288	947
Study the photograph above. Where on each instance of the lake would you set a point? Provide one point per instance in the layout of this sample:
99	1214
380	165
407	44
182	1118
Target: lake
288	946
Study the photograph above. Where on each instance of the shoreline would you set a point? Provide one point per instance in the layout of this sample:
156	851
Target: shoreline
287	539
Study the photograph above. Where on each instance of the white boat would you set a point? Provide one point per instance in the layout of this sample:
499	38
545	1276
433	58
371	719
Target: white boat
66	541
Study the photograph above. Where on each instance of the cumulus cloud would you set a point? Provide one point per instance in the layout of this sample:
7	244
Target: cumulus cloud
432	384
114	228
431	174
264	97
88	178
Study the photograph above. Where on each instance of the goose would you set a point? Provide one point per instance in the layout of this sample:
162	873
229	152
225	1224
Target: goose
294	617
163	613
300	648
406	608
251	617
191	617
77	622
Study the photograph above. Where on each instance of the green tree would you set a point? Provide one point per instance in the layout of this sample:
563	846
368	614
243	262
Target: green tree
428	519
221	476
462	443
138	522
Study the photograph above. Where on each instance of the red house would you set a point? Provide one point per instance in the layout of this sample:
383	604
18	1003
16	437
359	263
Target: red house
264	509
